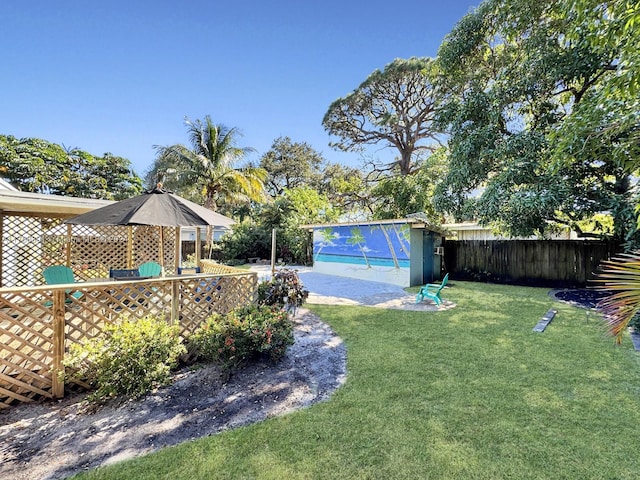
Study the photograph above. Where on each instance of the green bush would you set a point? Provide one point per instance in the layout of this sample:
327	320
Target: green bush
233	339
285	290
129	358
246	240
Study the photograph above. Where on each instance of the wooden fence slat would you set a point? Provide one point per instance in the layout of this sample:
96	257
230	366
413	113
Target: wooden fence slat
554	263
14	395
27	386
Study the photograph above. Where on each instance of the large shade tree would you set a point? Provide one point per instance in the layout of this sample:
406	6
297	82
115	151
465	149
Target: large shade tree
208	167
608	114
396	196
346	189
40	166
392	108
291	164
514	75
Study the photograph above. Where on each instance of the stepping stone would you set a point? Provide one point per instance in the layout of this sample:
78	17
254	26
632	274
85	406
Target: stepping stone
546	320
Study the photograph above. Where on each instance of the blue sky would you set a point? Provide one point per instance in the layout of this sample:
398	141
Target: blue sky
120	77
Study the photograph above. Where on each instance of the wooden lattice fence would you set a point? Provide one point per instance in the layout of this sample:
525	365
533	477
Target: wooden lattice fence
37	324
29	243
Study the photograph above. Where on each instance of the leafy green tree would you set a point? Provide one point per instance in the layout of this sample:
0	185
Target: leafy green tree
394	108
290	165
396	196
345	188
246	240
209	166
296	206
607	115
304	206
36	165
108	177
513	77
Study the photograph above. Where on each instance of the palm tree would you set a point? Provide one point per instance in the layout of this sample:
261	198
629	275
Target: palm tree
392	250
358	239
327	239
209	165
620	279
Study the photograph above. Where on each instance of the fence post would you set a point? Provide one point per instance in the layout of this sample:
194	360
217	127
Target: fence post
175	301
57	381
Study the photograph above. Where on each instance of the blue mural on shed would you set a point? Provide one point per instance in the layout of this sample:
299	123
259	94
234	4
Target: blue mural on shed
386	245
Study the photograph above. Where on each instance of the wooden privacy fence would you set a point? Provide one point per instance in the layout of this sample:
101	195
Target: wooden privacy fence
37	324
557	263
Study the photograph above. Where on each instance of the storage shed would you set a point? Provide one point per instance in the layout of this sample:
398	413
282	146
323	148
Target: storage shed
405	252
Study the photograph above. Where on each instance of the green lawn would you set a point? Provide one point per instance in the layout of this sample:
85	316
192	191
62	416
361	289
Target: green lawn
466	393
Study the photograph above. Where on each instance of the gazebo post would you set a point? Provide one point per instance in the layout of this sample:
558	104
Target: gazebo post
129	246
198	247
67	248
161	248
178	253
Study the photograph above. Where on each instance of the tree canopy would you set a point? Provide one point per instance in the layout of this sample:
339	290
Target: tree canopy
393	108
514	77
36	165
608	114
291	164
208	167
396	196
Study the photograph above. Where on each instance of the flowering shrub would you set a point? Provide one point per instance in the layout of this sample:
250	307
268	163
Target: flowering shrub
284	290
244	333
130	357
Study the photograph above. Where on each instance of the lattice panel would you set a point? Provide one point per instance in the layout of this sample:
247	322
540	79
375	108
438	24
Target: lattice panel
98	250
235	291
198	298
146	246
209	266
169	251
26	319
26	336
28	247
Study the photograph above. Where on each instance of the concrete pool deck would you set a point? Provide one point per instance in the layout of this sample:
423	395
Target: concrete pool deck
334	290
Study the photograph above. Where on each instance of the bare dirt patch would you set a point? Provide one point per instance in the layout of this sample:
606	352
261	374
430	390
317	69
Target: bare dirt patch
53	440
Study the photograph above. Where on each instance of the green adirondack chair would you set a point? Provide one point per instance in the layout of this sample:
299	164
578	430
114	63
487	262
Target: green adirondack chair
58	275
432	291
150	269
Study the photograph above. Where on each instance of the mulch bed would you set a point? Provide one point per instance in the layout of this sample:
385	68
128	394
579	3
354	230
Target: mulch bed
580	297
588	298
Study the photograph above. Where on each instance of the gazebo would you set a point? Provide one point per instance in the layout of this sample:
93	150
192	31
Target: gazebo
33	236
38	322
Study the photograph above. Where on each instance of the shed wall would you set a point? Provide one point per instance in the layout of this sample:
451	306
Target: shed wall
375	252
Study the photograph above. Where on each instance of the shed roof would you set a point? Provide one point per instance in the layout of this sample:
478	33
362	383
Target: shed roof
36	203
416	223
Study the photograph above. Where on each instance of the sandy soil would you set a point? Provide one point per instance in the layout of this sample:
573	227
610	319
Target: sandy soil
56	439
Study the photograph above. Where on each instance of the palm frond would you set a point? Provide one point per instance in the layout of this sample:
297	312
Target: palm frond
209	165
620	277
